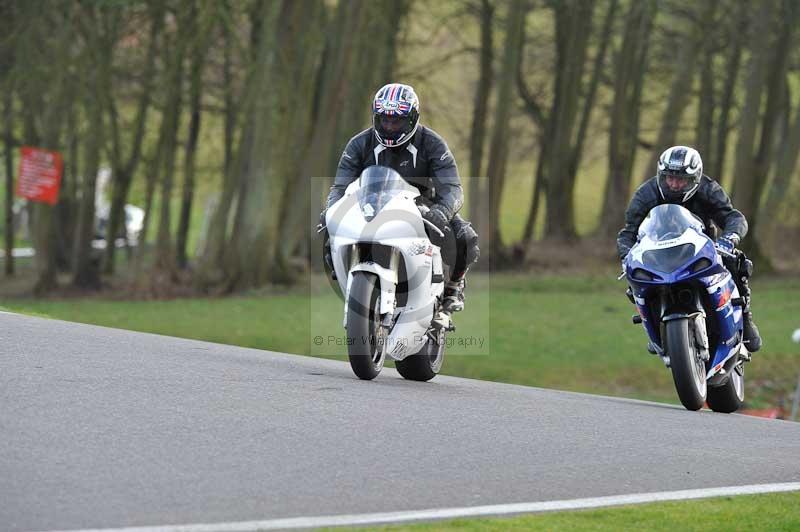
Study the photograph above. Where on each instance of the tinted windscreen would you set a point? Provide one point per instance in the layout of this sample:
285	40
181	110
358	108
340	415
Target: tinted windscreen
668	221
376	186
668	260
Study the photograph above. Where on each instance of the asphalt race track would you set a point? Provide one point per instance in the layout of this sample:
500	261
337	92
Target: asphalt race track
104	428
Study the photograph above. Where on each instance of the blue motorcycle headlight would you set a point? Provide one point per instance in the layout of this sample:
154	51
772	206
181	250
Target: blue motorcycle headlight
642	275
701	265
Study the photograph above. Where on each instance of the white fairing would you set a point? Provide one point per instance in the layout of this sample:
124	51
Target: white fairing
398	225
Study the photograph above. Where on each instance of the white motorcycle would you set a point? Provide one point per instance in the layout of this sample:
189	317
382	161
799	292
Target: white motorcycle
391	277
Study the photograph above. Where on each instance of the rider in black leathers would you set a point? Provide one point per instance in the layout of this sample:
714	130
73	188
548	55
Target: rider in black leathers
421	156
680	180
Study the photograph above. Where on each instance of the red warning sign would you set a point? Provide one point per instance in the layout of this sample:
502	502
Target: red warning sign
39	174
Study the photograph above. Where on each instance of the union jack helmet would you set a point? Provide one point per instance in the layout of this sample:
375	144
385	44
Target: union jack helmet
395	114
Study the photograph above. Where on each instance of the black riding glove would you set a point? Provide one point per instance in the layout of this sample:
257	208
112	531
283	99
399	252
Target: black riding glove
439	216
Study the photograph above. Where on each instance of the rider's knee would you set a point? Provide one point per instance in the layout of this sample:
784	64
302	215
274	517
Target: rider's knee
468	238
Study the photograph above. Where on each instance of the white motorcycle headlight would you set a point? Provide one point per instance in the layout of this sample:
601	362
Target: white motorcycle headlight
368	211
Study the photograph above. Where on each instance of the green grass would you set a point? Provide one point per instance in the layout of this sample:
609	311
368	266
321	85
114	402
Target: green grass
555	332
774	512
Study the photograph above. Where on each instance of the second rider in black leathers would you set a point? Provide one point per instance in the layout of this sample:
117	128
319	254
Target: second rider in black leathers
680	180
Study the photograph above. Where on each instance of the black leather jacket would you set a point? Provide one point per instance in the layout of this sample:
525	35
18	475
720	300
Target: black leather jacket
710	203
425	161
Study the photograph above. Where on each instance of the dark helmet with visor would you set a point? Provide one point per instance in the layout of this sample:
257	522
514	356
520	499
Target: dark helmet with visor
680	169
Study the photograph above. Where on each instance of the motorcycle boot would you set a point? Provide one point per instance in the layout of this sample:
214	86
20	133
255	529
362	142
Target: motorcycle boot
752	338
453	298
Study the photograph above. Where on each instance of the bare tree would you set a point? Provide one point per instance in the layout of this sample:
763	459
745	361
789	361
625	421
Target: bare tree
498	148
165	257
8	141
735	35
213	263
628	78
99	27
567	125
784	171
484	12
123	168
200	36
685	69
333	88
7	14
266	149
769	62
46	95
704	129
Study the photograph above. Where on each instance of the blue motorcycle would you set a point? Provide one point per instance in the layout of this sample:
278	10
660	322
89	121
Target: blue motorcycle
690	307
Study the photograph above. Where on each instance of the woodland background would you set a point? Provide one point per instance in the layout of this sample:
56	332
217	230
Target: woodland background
214	115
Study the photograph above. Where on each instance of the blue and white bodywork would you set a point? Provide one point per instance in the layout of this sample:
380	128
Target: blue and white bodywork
676	273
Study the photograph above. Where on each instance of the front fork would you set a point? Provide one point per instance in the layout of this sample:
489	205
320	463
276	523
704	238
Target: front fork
681	305
387	279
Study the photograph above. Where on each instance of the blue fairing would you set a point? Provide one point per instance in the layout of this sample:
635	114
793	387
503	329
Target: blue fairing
721	290
683	254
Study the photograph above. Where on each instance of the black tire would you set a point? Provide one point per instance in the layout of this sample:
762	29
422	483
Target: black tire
729	397
688	371
423	365
363	324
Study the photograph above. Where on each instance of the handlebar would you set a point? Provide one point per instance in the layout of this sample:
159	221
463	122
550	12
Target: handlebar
433	226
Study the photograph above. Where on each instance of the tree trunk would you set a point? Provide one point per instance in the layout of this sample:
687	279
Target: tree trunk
150	188
679	94
265	166
332	90
477	196
292	210
573	25
201	42
498	148
748	188
8	141
629	74
537	115
211	270
98	59
46	102
67	207
704	128
782	177
122	171
296	216
164	256
86	272
536	201
737	35
7	58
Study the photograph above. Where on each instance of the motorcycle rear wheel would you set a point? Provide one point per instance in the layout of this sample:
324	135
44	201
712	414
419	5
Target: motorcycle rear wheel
729	397
423	365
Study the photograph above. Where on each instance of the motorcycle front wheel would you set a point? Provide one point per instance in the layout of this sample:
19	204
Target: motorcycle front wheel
365	335
688	369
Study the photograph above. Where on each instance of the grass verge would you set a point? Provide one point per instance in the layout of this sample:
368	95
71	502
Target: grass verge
774	512
570	333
